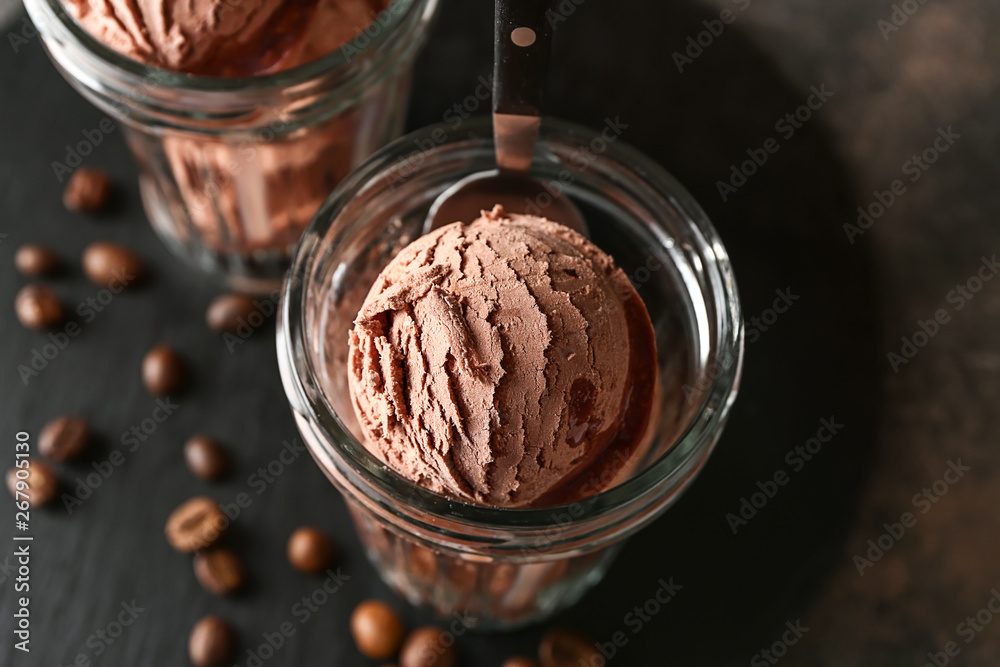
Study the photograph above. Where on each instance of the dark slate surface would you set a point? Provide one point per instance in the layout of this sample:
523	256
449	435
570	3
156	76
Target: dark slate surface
823	359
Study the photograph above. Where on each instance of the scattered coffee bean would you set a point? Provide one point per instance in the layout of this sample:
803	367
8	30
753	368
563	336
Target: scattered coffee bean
310	550
377	629
41	482
227	311
520	661
205	457
219	570
111	265
566	648
64	438
427	647
37	260
195	525
38	307
212	643
163	372
88	190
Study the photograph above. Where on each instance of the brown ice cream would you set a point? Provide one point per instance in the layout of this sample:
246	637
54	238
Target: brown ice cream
503	361
225	37
246	196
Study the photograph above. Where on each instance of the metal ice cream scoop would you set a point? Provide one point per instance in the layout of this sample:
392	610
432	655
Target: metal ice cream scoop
522	41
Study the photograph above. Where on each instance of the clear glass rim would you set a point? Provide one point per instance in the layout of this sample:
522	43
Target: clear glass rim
331	62
670	472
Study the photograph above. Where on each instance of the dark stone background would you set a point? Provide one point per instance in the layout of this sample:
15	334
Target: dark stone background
824	358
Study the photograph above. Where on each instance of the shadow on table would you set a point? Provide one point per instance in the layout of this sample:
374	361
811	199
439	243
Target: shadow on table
816	363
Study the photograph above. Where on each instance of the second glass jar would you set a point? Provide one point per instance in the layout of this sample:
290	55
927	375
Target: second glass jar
231	170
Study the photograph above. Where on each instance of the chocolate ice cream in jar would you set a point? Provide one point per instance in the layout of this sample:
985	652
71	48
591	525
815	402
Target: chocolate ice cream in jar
241	115
503	401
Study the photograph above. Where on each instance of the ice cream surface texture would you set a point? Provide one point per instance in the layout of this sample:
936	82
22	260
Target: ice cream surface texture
496	361
224	37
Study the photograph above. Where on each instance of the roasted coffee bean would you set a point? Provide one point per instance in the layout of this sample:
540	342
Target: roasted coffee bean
64	438
195	525
428	647
38	481
88	190
219	570
377	629
228	311
566	648
310	550
205	457
38	307
520	661
111	265
163	371
37	260
212	643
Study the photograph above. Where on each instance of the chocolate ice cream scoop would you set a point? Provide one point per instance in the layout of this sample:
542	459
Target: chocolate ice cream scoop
499	361
224	37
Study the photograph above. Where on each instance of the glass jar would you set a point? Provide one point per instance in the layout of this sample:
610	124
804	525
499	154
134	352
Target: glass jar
504	567
231	170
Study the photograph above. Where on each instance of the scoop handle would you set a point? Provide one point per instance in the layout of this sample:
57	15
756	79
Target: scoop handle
522	41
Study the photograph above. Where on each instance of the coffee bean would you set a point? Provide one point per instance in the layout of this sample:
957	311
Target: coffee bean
195	525
88	190
206	459
219	570
37	260
38	307
212	643
377	629
566	648
111	265
38	481
163	372
64	438
310	550
228	311
427	647
520	661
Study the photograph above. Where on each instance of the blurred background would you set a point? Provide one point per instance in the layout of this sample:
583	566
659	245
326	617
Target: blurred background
884	92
